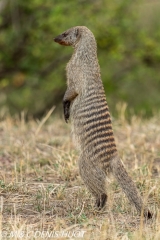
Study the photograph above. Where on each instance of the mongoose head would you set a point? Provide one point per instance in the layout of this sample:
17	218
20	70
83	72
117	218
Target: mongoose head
74	35
69	38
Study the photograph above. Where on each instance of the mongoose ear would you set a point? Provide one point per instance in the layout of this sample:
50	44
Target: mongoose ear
77	33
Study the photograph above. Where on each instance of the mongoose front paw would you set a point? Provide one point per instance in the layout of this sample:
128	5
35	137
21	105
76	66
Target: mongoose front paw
66	108
100	202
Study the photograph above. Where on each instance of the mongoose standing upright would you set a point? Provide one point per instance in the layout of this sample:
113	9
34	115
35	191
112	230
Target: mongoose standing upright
85	102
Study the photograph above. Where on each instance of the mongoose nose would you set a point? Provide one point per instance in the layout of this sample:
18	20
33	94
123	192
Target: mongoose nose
58	39
55	39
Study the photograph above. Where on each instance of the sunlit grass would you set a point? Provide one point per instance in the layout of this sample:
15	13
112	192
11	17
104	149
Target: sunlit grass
41	189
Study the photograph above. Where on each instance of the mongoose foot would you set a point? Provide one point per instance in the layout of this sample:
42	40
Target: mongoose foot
100	202
66	106
148	215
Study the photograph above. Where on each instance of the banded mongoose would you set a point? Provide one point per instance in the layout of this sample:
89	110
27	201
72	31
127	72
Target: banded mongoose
85	103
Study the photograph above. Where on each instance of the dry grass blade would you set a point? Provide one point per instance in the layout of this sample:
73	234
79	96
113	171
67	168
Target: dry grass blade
41	189
44	120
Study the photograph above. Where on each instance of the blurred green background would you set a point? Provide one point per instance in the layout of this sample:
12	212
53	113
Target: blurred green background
32	66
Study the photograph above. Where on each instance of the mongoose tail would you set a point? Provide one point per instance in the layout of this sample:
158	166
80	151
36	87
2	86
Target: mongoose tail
128	186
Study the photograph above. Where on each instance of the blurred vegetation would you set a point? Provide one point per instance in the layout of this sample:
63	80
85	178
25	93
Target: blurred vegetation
32	66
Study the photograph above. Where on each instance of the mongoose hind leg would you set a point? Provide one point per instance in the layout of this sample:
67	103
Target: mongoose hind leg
95	180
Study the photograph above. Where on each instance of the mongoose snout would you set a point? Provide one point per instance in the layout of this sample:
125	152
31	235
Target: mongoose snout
59	39
63	39
85	104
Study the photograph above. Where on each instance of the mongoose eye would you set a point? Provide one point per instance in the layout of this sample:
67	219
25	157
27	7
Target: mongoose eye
65	34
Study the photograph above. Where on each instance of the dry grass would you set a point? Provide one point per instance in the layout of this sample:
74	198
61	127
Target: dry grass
40	187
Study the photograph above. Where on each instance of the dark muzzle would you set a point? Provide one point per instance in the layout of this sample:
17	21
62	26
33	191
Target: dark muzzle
59	39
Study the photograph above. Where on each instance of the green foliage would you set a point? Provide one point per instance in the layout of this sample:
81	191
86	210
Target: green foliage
32	66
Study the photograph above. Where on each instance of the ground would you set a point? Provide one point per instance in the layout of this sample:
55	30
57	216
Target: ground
41	190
